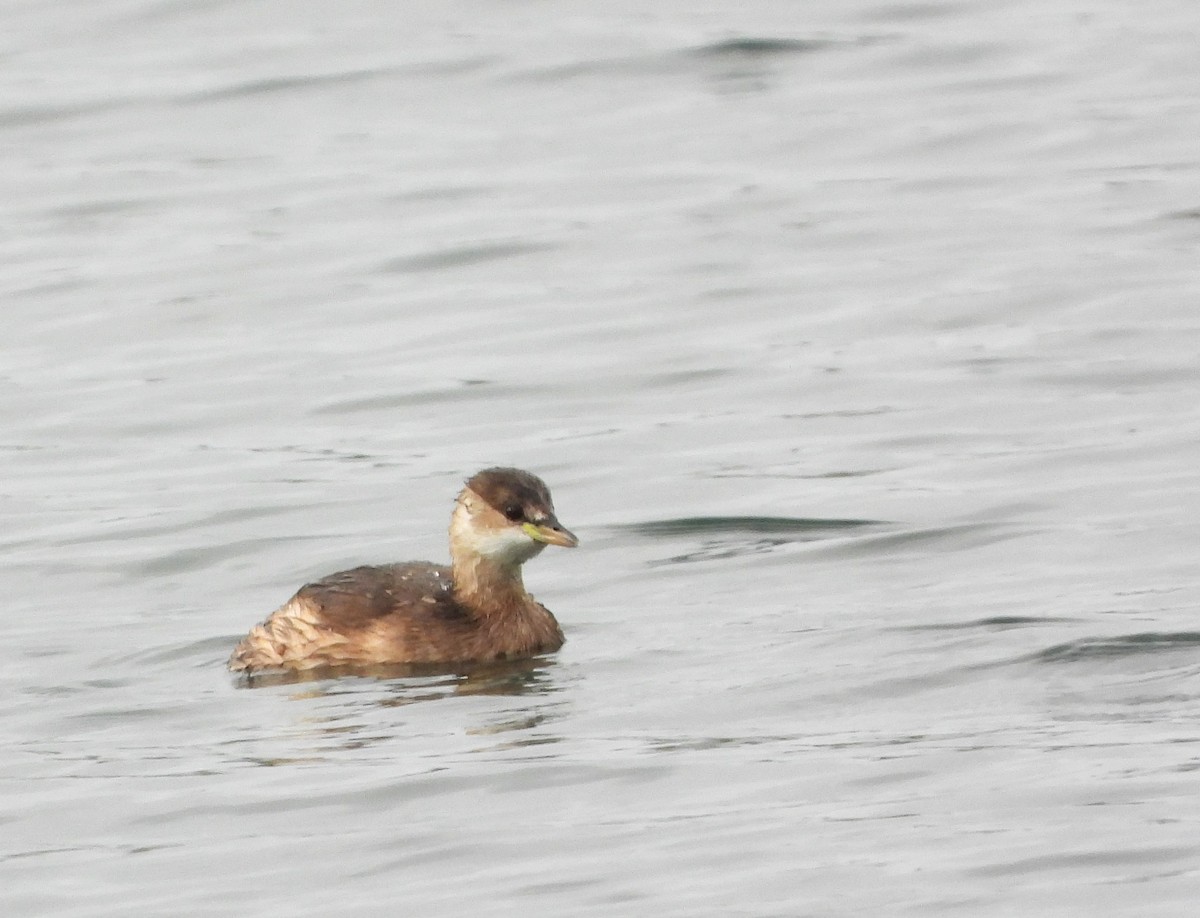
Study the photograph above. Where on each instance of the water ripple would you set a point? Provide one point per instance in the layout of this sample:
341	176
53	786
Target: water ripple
461	256
1118	646
994	622
761	47
751	51
737	536
757	525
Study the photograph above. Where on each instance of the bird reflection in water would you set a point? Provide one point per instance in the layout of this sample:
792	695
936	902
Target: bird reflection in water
353	716
417	682
349	709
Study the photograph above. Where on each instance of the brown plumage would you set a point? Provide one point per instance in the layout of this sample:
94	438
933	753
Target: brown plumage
475	610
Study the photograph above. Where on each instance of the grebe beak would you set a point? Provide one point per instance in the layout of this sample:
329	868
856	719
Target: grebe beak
551	532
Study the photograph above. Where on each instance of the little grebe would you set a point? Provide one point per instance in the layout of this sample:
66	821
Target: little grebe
475	610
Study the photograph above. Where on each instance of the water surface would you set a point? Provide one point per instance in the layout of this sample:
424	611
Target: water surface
857	342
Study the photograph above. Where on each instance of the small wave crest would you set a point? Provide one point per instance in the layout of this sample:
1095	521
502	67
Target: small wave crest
1119	646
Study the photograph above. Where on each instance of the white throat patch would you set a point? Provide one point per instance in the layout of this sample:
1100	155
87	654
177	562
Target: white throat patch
509	547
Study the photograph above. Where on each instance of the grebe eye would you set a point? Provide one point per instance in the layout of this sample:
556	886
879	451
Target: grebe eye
514	513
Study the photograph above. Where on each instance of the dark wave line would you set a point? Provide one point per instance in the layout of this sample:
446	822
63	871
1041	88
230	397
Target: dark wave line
756	525
1127	645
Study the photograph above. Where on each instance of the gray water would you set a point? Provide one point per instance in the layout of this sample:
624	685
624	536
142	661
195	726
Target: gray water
857	341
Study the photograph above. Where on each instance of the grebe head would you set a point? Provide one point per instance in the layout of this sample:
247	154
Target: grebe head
506	516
